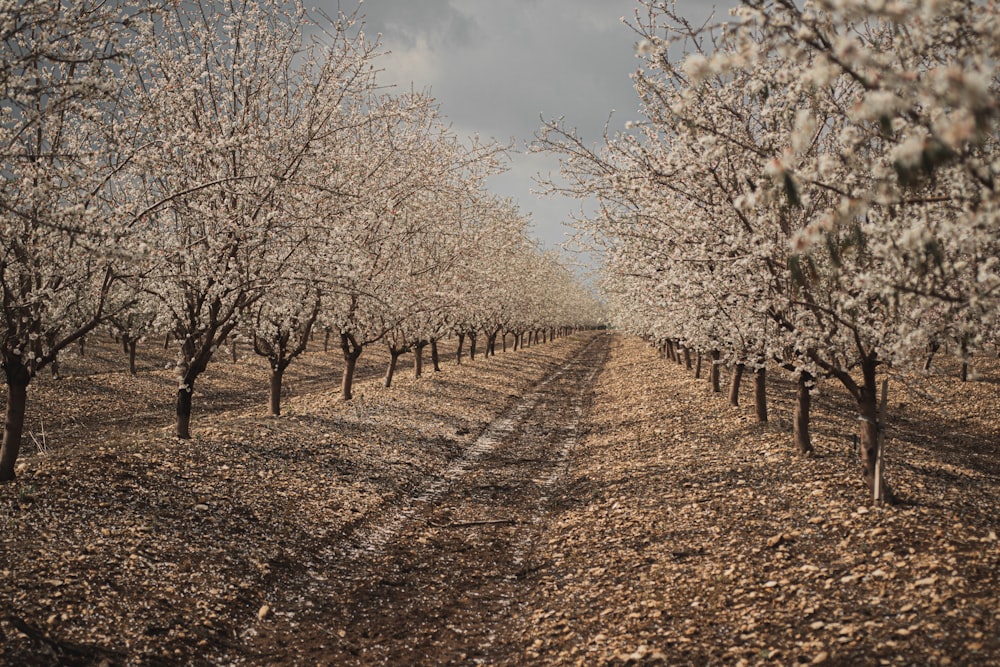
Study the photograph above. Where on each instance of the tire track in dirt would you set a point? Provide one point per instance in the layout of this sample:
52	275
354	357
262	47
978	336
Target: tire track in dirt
373	538
439	580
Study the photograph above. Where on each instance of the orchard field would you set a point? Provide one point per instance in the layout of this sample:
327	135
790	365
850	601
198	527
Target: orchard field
583	501
238	273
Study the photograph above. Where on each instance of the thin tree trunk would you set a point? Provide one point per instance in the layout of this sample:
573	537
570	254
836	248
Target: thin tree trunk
472	345
760	394
932	349
391	369
458	353
183	425
13	428
274	395
503	344
166	341
687	358
326	341
964	374
131	355
697	368
713	374
869	427
232	349
347	384
351	354
800	428
196	358
880	490
734	384
418	359
435	359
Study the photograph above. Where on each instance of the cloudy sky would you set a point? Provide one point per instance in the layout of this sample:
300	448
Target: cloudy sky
498	66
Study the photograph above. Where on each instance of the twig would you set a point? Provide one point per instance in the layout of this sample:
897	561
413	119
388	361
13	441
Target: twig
63	648
466	524
42	446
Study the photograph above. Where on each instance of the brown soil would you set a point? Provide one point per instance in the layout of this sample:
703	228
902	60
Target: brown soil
579	502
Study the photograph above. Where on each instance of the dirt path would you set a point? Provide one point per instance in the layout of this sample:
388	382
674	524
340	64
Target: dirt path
435	581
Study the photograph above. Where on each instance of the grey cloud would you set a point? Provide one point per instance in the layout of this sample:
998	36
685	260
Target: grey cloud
496	65
405	22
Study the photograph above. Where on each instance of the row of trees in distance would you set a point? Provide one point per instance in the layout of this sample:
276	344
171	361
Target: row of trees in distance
813	184
207	170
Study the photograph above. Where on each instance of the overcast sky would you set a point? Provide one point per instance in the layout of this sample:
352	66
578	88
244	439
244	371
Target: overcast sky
497	66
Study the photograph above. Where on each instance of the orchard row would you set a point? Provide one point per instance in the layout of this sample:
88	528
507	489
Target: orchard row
811	184
210	170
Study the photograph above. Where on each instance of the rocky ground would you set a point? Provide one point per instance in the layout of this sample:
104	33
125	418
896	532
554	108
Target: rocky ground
578	502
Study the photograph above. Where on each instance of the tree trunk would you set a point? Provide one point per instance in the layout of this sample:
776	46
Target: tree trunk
166	341
435	359
667	350
391	369
964	374
326	341
274	395
131	355
932	349
183	425
803	400
351	354
13	428
687	358
517	341
503	344
881	489
760	394
713	374
472	345
233	350
418	359
734	384
197	357
458	354
697	367
870	428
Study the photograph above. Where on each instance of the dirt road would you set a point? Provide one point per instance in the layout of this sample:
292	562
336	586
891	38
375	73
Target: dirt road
438	579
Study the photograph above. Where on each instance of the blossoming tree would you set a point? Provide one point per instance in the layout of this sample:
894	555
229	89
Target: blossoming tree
64	140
